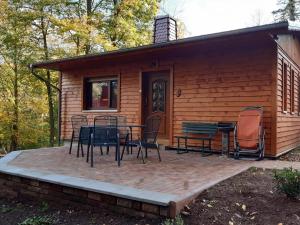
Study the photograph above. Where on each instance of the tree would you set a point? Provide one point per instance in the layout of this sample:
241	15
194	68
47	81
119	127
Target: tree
14	51
288	10
21	108
42	14
175	10
36	30
95	26
130	22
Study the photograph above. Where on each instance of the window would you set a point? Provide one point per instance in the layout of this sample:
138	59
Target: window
101	94
298	82
158	96
292	89
284	87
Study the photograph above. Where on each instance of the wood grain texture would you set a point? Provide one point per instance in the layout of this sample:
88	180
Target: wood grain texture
216	82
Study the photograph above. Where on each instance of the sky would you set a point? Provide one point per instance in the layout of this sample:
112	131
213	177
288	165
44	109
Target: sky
211	16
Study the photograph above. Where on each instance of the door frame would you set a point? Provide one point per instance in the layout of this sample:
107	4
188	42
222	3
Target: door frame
169	69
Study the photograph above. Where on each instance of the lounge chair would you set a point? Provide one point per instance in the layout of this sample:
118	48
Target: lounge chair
249	134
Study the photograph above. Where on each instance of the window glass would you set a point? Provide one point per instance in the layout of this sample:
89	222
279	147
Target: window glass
284	87
113	94
101	94
292	91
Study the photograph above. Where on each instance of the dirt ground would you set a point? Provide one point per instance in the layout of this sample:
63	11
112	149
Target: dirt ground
293	156
248	198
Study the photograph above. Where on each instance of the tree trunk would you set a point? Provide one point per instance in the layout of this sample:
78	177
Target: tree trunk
50	110
15	122
49	88
89	14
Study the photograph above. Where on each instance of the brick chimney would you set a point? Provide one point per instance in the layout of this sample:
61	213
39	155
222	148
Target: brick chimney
165	29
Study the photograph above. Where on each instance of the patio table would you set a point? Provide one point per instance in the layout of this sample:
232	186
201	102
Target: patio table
130	126
226	128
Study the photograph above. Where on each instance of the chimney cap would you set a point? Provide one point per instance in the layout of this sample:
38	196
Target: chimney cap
164	16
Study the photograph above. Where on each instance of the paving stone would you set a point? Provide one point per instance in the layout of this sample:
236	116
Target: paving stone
150	208
176	174
124	202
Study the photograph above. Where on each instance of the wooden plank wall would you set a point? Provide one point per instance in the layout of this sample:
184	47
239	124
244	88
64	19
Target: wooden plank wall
72	83
215	85
215	88
288	123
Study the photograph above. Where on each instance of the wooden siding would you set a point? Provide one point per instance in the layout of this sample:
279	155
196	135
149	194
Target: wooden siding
215	83
216	88
288	122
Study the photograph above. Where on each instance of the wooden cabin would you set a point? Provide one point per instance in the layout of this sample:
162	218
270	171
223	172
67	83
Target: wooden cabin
204	78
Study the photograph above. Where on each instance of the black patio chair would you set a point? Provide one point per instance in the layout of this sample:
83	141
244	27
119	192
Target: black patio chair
77	122
105	133
84	139
123	131
105	120
148	139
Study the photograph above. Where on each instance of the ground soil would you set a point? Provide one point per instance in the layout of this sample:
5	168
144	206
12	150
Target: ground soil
293	156
248	198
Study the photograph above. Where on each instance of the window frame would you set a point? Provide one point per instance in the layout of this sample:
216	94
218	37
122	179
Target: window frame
94	79
298	89
292	90
284	86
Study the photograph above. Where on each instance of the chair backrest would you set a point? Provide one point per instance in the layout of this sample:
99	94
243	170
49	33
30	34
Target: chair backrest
201	128
105	130
249	127
105	135
78	121
106	121
122	122
150	131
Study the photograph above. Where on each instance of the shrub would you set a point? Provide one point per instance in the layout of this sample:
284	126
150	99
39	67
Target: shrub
288	182
177	221
38	220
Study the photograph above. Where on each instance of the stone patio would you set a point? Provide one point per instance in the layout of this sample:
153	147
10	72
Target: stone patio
178	178
177	174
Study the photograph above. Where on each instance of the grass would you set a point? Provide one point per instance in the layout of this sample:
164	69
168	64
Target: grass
44	207
177	221
38	220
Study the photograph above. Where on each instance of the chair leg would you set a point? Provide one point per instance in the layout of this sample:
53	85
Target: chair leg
87	153
157	147
107	150
82	153
142	154
126	144
92	155
78	149
127	149
101	150
123	150
146	152
118	154
138	155
71	142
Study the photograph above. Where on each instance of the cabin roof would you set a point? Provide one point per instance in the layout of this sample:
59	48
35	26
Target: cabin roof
65	63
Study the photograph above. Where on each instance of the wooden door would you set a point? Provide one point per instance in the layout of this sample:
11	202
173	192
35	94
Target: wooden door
156	99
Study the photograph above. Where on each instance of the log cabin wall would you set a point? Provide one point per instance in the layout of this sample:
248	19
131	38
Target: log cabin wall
216	82
288	92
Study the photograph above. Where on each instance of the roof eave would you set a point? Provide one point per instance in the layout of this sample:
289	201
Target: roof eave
283	26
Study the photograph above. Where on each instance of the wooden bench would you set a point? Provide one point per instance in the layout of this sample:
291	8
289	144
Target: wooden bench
197	131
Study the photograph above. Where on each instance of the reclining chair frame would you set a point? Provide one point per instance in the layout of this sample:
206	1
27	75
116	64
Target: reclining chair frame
259	152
